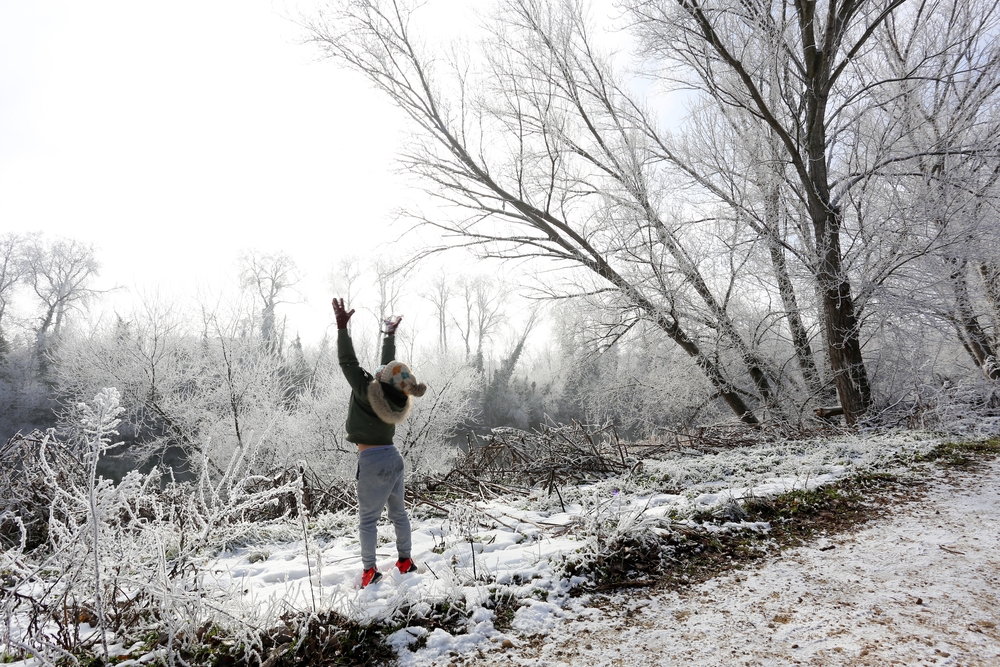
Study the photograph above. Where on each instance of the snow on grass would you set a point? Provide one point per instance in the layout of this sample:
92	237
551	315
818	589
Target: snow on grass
518	544
919	587
514	547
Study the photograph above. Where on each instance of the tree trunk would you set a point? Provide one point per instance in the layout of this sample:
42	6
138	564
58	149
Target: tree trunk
786	289
977	342
800	337
268	328
753	363
990	273
843	331
842	327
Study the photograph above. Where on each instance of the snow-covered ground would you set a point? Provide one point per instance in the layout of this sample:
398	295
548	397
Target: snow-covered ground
831	600
919	586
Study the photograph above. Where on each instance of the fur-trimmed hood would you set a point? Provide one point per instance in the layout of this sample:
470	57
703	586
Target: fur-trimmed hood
383	409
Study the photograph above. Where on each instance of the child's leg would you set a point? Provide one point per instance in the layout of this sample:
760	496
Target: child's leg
397	514
377	472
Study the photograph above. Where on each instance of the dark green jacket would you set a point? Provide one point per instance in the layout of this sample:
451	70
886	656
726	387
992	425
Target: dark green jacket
372	414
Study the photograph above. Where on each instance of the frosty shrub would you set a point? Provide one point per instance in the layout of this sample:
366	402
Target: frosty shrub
618	538
425	439
127	559
156	365
315	432
209	394
969	407
220	394
26	492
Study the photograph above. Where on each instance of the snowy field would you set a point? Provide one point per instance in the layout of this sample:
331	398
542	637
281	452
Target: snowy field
919	586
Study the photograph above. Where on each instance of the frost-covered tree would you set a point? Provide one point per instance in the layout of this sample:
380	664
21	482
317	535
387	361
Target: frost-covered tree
59	273
11	270
390	286
823	85
752	234
943	97
532	142
269	276
479	313
439	294
154	361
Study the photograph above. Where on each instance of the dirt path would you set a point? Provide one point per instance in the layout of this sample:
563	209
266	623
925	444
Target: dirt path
918	587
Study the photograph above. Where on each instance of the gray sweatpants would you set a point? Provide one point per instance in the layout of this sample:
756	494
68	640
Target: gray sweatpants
380	484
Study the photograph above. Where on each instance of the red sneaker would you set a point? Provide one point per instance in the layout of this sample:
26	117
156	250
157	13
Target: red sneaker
370	576
406	565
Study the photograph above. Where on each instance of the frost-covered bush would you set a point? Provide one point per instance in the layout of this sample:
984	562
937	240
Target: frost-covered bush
426	438
314	431
220	392
969	407
26	489
127	558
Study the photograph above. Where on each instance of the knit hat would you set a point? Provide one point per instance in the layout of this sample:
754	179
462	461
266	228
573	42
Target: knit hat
397	374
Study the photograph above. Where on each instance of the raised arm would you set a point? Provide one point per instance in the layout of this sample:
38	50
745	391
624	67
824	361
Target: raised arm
389	342
356	376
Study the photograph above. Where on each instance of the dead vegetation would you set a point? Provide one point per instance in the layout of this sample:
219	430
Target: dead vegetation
513	461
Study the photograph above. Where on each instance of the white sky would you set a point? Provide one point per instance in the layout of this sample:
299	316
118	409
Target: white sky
174	135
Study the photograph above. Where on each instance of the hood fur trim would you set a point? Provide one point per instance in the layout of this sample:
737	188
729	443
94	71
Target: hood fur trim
383	409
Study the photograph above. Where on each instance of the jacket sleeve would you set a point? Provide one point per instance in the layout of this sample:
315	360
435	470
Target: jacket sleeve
357	377
388	349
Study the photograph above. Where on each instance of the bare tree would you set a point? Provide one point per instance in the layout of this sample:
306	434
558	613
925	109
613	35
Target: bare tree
947	86
817	79
390	284
11	271
482	301
788	68
270	276
59	273
542	163
494	395
345	278
725	154
207	392
154	364
539	147
439	294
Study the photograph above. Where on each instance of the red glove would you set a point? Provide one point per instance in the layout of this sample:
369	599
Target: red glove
391	323
341	313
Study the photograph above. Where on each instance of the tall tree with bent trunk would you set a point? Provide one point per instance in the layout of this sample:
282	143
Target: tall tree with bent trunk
784	64
270	275
548	158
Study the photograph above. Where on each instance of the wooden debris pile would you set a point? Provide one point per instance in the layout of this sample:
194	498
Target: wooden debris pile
715	438
515	461
316	496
